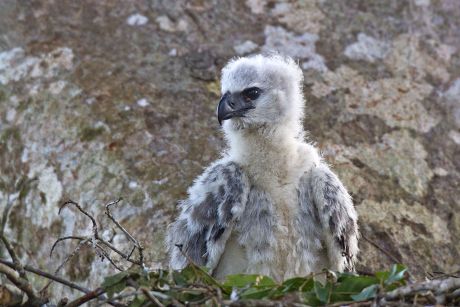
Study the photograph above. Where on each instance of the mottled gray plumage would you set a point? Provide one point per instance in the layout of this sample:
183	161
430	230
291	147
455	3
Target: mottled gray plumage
270	205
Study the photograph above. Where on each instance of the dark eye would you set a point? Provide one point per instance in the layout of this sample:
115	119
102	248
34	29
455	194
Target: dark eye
251	93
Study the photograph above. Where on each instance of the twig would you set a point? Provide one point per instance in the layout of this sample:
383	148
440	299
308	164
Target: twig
439	287
254	303
98	239
5	213
117	298
123	255
389	255
14	257
454	295
55	278
47	275
63	302
393	258
151	297
23	284
63	239
93	221
105	255
85	298
109	245
140	248
438	275
70	256
6	242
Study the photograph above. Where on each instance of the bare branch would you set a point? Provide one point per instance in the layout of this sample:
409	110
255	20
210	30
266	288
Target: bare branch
71	202
63	302
47	275
116	250
57	279
98	241
86	298
14	256
140	248
440	287
63	239
151	297
6	242
118	298
387	253
105	255
6	211
23	284
70	256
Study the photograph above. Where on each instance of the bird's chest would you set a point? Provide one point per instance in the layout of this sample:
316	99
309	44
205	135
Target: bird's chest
270	231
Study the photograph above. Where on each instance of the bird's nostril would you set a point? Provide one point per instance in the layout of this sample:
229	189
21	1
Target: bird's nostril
231	104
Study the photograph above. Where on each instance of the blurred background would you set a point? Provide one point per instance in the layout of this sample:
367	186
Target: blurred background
106	99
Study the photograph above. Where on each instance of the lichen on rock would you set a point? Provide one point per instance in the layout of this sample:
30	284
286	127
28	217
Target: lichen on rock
113	99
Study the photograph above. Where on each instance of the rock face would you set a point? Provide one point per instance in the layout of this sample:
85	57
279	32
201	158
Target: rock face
101	99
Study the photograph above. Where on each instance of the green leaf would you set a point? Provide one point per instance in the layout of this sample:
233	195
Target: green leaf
185	276
322	292
366	294
256	293
114	279
396	274
137	302
208	279
111	290
311	299
355	284
242	280
297	284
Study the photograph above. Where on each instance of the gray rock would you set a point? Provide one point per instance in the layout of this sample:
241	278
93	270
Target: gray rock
96	108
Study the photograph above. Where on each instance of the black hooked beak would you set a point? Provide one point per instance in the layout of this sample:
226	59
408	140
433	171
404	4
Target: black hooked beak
232	105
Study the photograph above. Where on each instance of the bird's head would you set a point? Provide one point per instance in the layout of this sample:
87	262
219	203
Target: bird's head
261	92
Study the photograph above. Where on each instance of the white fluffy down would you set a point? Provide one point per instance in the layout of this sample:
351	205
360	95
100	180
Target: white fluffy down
293	216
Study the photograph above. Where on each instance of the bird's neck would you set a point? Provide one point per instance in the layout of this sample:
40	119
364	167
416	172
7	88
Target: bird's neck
271	153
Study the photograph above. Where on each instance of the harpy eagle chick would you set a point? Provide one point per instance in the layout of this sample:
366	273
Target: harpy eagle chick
270	205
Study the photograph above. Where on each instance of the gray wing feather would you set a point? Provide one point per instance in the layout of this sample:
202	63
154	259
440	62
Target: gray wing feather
215	201
338	218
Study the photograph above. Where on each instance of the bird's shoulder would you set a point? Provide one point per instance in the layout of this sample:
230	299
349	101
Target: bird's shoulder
319	170
222	186
320	182
221	172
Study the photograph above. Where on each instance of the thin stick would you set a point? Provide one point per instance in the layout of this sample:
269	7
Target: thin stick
56	278
393	258
98	239
5	213
47	275
23	284
130	237
152	298
14	257
437	286
106	256
71	202
63	239
117	298
67	259
125	256
6	242
85	298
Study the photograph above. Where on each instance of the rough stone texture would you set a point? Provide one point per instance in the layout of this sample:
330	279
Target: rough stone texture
101	99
